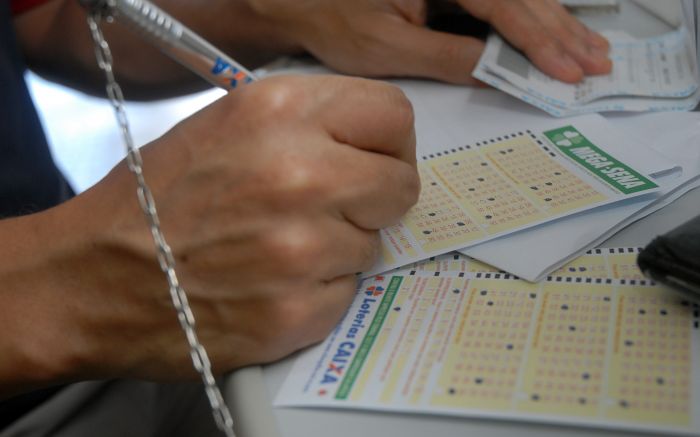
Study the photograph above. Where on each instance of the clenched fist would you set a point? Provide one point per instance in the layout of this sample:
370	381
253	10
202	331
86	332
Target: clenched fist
271	199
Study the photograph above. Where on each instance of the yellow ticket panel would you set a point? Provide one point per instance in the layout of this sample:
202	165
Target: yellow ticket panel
606	350
476	192
618	263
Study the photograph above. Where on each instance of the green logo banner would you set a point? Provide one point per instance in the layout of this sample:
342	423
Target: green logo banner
606	168
368	341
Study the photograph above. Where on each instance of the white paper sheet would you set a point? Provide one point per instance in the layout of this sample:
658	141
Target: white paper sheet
652	74
676	135
445	113
479	189
450	340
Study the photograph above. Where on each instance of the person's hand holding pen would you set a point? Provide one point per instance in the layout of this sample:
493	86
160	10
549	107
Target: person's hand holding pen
389	37
271	199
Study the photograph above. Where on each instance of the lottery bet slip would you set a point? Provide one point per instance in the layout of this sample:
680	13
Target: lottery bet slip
594	345
653	74
521	178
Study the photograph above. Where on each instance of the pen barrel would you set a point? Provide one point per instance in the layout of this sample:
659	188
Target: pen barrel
180	43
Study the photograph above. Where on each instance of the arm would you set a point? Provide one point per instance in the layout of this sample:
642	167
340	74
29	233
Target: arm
363	37
389	37
31	329
57	44
270	198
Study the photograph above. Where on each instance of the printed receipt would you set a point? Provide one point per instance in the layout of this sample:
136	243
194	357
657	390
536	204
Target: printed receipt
594	345
481	191
658	73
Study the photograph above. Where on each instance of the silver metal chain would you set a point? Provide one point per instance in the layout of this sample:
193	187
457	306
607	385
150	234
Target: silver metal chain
199	356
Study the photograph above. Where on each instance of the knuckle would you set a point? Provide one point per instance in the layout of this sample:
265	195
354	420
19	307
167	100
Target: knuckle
296	249
299	183
299	176
292	179
275	98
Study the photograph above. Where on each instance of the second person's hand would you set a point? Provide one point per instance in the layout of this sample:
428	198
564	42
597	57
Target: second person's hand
389	37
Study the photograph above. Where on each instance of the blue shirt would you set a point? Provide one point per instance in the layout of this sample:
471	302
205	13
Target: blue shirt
29	180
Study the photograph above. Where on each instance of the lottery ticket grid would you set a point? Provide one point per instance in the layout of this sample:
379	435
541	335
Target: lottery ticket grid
617	263
607	350
480	191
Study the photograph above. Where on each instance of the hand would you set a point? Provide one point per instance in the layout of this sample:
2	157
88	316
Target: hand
271	199
389	37
555	41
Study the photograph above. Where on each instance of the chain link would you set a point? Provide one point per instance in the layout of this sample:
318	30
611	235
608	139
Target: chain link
198	354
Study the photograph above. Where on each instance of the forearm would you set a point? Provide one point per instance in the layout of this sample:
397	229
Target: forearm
57	44
35	341
69	278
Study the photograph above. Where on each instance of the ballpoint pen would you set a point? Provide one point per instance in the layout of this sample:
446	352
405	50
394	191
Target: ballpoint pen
175	40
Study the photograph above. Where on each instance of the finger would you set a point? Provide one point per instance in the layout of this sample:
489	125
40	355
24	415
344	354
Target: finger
576	39
552	39
326	248
589	38
369	115
372	191
521	28
346	248
597	40
299	321
331	301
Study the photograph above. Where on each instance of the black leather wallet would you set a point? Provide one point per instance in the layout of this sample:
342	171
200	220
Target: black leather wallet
674	258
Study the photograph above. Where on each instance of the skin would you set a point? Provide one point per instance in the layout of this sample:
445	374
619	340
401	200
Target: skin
375	38
269	216
271	197
388	37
